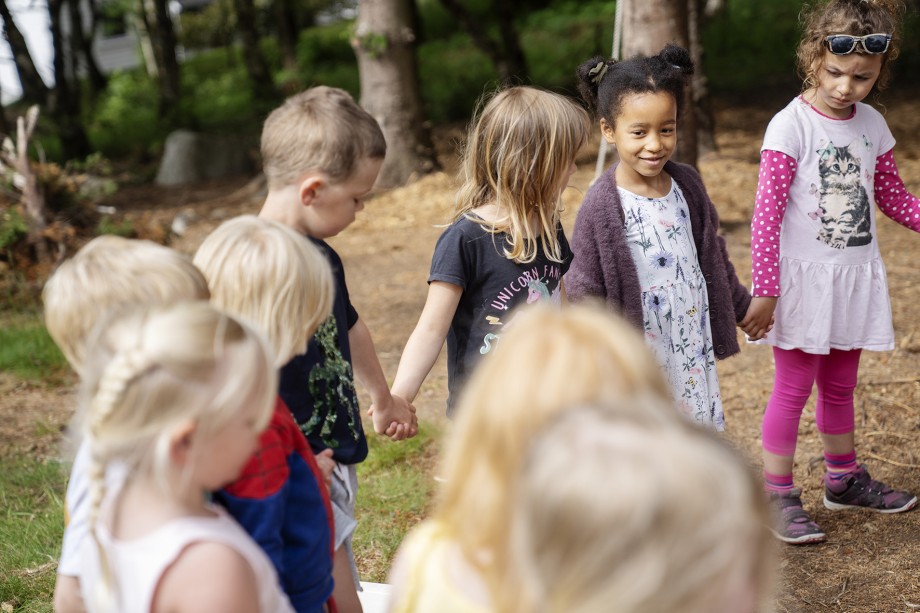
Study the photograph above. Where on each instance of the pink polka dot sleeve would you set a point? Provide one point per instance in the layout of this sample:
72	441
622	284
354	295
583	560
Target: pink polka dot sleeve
776	173
892	197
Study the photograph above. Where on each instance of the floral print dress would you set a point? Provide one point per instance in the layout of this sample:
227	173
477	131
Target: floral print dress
675	304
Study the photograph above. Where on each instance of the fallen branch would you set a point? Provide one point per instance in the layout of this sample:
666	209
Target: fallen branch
842	590
894	434
887	461
893	381
890	402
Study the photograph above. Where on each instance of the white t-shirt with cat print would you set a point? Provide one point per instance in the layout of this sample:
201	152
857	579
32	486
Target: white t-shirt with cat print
833	286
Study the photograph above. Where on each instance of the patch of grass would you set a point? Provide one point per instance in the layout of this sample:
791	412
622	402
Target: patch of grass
395	488
31	528
27	350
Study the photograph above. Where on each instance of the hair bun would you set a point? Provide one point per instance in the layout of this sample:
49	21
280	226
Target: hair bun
590	74
678	57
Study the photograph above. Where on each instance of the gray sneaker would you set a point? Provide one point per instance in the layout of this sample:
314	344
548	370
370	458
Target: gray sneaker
791	523
860	491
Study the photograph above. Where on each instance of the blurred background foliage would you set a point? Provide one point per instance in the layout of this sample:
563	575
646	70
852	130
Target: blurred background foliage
749	50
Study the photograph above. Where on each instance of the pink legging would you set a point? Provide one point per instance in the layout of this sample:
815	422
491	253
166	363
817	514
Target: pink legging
796	373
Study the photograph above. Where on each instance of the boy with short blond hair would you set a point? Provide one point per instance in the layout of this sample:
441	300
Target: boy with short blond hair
108	274
265	273
321	156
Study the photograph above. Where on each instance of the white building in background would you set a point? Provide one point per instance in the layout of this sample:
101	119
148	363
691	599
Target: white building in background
116	46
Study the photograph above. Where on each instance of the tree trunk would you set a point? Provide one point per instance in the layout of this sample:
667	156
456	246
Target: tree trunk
34	89
702	101
162	38
385	46
517	69
256	68
4	123
506	55
82	42
648	25
287	26
64	103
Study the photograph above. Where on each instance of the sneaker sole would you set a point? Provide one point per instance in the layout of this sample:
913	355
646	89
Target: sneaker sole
836	506
805	539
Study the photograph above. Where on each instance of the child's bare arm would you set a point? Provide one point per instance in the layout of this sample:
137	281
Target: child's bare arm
67	597
208	576
393	416
426	340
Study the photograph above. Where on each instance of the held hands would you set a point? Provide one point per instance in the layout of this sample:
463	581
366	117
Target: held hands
326	464
394	417
759	317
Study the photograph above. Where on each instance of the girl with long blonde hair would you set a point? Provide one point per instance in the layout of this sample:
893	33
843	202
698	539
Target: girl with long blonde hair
505	246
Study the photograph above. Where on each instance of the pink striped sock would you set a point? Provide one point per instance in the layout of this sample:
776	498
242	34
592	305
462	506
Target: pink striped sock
839	465
777	483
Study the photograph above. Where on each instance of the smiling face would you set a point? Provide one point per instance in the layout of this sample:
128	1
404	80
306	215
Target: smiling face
645	135
843	80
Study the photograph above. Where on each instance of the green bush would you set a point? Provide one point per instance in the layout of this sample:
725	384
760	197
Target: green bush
213	26
107	225
222	93
325	57
453	74
751	46
560	38
12	227
124	121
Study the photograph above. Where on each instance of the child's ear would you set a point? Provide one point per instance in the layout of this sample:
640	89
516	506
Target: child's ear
310	188
181	440
607	131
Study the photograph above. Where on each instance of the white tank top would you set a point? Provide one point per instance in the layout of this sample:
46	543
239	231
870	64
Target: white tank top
139	564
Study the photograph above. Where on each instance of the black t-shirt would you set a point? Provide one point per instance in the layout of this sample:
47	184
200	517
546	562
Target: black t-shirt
318	386
470	256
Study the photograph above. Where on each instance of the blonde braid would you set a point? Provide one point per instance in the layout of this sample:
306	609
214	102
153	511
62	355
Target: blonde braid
117	375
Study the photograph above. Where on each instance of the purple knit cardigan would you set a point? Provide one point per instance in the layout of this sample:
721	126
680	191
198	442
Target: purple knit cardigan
603	266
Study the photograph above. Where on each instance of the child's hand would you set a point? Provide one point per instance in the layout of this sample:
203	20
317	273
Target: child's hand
394	418
759	317
326	464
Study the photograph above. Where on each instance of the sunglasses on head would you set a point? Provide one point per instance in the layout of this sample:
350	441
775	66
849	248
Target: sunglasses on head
842	44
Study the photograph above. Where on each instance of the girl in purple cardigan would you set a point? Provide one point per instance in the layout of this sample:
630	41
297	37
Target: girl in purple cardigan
646	237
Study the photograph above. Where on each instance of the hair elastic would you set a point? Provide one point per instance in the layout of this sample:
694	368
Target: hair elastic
597	73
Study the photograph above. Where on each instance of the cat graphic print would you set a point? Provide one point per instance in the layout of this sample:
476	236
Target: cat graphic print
843	203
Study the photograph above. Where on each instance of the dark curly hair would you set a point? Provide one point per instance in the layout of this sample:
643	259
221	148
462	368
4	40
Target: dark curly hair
604	83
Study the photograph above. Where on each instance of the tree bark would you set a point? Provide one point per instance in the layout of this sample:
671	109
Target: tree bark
702	101
82	42
384	43
162	38
34	89
506	55
4	122
648	25
287	27
64	102
256	67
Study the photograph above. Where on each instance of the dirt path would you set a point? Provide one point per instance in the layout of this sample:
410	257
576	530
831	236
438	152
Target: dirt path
870	563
